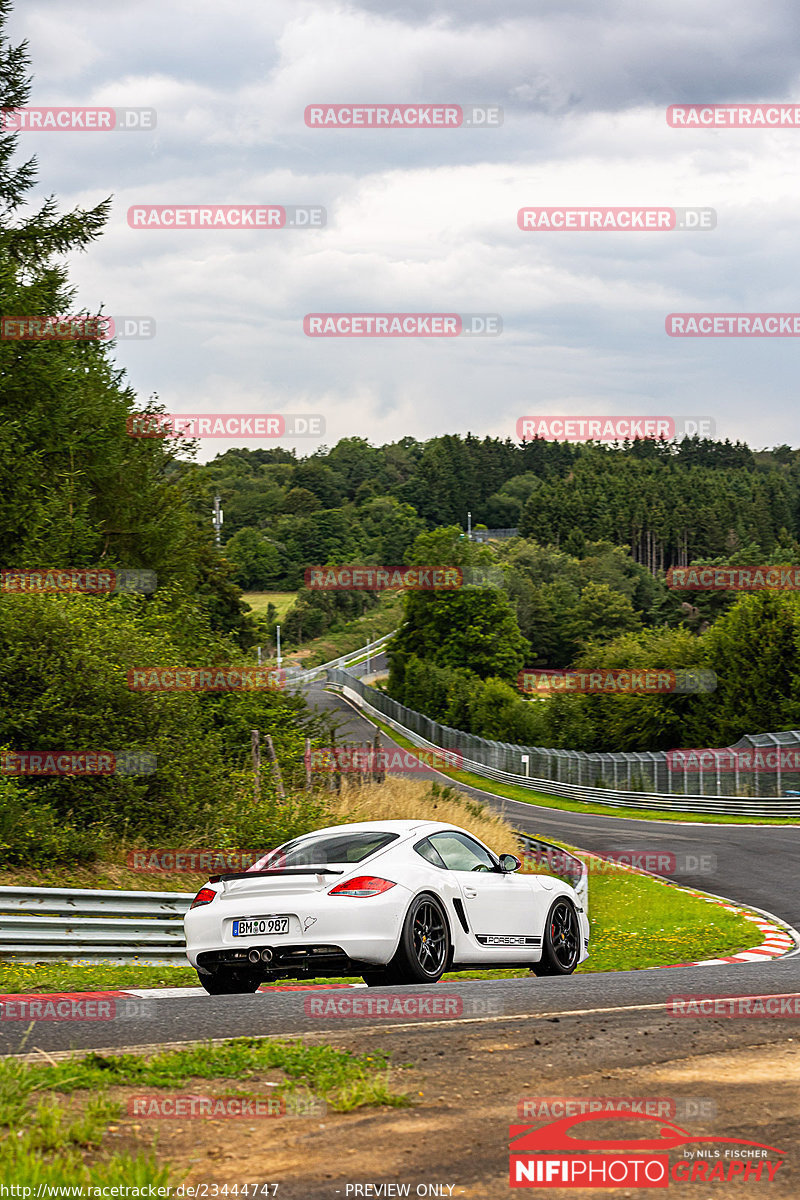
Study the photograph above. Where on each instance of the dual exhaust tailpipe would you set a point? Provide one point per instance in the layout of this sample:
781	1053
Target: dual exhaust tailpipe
256	956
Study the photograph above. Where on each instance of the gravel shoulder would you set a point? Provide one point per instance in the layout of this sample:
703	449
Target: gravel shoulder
466	1084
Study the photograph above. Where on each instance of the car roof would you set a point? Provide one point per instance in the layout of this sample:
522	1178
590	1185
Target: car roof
383	827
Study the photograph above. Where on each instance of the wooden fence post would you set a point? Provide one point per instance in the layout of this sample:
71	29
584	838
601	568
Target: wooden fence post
256	752
276	770
378	772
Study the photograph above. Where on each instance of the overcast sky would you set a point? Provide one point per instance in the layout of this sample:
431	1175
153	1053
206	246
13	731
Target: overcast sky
426	220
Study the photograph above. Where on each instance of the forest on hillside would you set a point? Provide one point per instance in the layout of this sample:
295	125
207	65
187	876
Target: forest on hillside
670	502
583	583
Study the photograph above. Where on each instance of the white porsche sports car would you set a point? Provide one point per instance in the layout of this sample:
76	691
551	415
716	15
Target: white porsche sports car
392	901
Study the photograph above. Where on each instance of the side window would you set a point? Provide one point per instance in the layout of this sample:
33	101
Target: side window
462	853
429	853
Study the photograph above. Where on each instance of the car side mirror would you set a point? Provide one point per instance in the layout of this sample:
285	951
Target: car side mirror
509	863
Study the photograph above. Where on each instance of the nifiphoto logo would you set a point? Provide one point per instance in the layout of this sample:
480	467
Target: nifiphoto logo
567	1152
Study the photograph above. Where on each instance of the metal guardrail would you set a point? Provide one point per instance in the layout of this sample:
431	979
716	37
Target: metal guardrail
145	928
565	762
88	926
345	660
560	863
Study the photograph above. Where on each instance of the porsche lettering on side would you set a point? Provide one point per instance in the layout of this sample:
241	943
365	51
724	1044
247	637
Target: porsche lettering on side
393	901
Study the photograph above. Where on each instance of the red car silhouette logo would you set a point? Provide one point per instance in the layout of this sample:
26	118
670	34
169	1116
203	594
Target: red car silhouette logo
557	1136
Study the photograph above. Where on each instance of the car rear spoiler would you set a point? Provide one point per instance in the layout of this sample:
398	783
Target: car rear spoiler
279	871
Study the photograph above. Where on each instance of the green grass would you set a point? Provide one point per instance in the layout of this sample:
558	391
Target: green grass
46	1140
69	977
543	800
640	922
258	601
53	1117
106	874
338	1078
374	623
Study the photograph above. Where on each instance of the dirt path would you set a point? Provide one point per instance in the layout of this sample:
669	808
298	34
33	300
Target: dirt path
743	1078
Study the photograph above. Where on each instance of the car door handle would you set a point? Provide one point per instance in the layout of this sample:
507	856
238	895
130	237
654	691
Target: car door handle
470	893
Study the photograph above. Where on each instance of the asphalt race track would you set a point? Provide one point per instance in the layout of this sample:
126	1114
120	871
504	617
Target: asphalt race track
755	865
637	995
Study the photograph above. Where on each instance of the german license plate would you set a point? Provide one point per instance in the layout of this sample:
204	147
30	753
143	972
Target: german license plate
260	925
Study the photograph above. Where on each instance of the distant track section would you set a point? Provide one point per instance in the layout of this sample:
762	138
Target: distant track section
426	733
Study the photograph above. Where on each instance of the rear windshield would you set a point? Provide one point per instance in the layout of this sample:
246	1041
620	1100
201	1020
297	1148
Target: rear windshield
322	850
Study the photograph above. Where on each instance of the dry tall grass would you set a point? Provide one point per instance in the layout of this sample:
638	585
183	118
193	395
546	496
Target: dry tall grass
400	799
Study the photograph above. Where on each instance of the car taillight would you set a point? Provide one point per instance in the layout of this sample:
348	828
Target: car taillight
204	896
362	885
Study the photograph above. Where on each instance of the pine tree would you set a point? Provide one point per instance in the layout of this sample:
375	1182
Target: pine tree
77	489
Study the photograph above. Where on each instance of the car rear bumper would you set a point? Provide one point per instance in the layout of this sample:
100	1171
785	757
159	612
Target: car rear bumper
324	932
